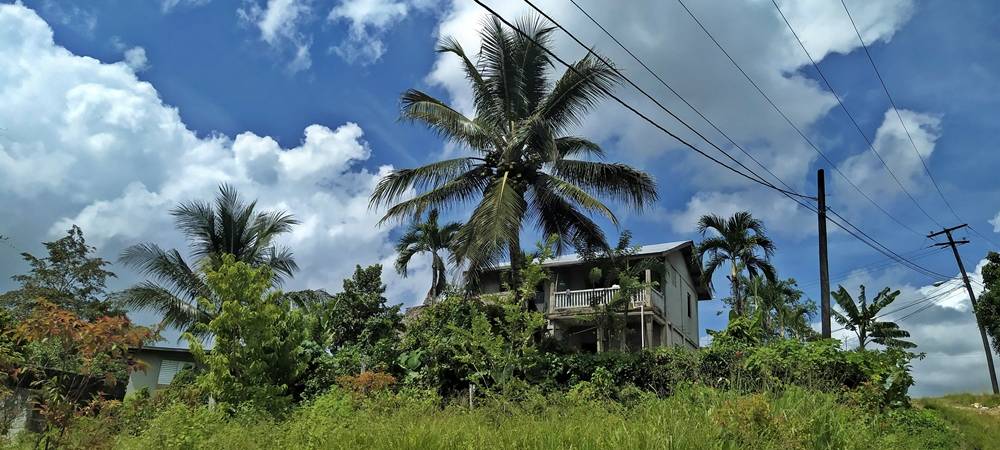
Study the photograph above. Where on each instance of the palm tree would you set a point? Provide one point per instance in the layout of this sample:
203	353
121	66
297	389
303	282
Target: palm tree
779	306
738	241
229	226
864	321
523	166
428	237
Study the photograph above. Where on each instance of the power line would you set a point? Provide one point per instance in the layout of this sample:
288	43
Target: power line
871	145
878	265
874	244
664	83
790	123
934	298
888	252
759	179
892	103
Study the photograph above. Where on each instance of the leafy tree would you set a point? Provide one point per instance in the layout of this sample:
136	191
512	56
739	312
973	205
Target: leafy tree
780	307
256	355
988	306
428	237
524	166
69	277
358	330
740	241
75	363
862	317
228	227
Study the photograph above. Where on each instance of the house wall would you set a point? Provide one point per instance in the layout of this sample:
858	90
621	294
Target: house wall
676	293
154	362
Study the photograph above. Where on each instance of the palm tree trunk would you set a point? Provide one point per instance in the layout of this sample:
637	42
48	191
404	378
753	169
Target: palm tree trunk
516	264
737	302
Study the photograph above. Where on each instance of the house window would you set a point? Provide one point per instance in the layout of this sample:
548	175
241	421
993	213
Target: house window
689	304
169	369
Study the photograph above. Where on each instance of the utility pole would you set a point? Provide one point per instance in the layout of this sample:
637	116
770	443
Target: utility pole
972	297
824	264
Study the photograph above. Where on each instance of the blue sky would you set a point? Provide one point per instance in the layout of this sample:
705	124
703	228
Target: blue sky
227	90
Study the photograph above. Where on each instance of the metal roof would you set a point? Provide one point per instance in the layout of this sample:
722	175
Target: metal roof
643	250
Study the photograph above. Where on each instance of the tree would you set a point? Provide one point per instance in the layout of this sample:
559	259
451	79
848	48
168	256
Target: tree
359	329
779	307
68	277
256	355
428	237
74	363
228	227
738	241
988	307
524	166
863	320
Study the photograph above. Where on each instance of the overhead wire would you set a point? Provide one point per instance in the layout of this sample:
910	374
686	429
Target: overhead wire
777	109
871	144
791	195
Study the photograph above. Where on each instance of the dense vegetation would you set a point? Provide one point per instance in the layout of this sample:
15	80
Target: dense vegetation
309	369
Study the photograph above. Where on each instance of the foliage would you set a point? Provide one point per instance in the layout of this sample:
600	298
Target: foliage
779	307
864	321
523	166
988	306
428	237
257	349
92	359
618	266
695	417
228	227
358	331
366	382
738	240
69	277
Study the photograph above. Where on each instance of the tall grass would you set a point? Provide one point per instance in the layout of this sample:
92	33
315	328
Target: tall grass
977	428
693	418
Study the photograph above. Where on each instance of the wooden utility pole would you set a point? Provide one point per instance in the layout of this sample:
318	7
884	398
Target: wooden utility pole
824	265
972	297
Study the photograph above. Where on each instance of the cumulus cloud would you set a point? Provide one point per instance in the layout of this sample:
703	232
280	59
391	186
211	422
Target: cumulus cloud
673	45
940	321
368	21
893	145
995	221
278	22
135	58
88	143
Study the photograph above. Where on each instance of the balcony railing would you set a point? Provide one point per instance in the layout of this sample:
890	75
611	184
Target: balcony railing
585	298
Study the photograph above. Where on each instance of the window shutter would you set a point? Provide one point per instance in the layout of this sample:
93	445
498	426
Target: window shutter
168	369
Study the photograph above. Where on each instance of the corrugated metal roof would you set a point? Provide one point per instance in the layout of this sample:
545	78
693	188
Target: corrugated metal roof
651	249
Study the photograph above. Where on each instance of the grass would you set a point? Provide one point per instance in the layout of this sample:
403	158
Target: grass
977	428
696	418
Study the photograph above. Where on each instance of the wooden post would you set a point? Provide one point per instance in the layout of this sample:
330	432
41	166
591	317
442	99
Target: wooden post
824	266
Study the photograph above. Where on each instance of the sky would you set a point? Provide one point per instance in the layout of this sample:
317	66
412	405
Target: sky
114	111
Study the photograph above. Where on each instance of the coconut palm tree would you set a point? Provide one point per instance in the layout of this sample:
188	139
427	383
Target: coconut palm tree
740	241
523	166
864	321
227	226
428	237
779	306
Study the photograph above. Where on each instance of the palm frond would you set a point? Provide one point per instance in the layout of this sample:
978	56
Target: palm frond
432	176
615	181
576	93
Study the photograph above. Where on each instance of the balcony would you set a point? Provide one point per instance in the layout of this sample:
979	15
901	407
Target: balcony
568	300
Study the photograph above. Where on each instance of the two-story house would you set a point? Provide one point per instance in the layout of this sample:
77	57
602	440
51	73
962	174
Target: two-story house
665	314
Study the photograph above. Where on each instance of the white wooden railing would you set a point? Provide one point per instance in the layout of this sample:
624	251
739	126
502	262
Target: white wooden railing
584	298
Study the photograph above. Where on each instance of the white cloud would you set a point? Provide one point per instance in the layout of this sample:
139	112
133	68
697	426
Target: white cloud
278	22
995	221
135	58
894	147
940	321
87	143
369	20
167	6
673	45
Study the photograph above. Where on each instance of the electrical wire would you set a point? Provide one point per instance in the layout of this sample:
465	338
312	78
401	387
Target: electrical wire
871	145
